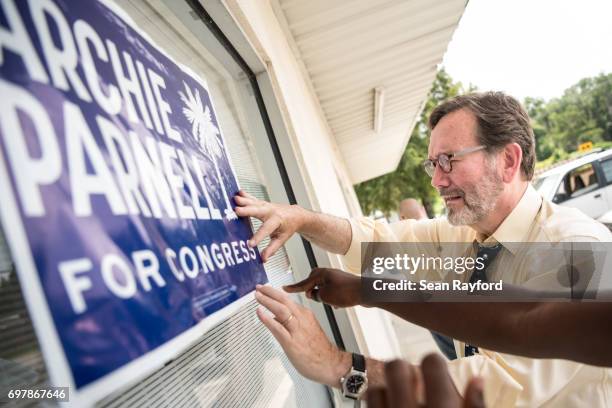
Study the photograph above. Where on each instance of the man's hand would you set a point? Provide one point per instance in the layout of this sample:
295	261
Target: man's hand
301	337
402	383
280	221
335	287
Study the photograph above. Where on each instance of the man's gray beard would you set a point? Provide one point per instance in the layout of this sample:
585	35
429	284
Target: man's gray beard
478	201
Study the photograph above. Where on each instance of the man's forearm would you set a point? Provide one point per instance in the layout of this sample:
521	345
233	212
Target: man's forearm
328	232
477	323
520	328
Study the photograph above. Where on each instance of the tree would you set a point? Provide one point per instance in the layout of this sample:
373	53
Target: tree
409	179
582	114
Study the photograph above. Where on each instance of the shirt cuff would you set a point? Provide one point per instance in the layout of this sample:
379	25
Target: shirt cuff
362	230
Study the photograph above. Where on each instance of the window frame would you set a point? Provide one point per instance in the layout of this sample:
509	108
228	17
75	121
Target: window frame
273	146
595	164
605	181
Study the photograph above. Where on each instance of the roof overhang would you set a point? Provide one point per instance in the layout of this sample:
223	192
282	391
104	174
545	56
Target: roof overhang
350	49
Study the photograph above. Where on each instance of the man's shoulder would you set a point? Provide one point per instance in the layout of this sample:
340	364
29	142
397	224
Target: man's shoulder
561	223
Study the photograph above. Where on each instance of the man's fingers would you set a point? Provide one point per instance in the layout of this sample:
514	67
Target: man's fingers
274	245
376	398
278	295
279	310
266	229
400	375
243	201
252	211
280	333
474	397
243	193
439	388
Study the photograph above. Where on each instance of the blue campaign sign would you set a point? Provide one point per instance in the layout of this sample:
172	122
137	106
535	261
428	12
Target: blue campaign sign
116	191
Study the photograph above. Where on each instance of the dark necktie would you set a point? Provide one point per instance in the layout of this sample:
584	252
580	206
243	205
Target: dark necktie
487	254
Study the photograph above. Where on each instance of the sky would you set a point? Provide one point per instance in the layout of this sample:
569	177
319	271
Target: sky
534	48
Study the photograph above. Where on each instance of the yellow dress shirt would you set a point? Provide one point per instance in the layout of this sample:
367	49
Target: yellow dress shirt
510	380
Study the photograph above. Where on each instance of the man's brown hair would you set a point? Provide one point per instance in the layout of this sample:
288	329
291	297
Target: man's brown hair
501	120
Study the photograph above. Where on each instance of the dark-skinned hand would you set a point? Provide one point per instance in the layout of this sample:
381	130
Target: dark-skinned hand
335	287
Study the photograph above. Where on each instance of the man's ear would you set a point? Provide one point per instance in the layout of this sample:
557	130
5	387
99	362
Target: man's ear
511	159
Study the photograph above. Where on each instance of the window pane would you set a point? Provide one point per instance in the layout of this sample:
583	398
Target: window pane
606	166
583	179
238	362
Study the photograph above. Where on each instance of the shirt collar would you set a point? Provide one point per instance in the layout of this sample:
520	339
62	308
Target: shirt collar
518	223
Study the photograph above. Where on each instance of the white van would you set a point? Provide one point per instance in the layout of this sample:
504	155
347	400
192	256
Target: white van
584	183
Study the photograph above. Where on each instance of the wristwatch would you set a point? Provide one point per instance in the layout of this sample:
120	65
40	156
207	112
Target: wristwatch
355	382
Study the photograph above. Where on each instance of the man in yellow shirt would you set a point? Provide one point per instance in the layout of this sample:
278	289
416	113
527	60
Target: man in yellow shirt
481	159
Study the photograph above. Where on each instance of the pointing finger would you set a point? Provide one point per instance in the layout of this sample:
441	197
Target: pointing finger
306	285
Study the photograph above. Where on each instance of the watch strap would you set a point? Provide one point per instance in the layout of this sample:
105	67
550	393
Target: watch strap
359	363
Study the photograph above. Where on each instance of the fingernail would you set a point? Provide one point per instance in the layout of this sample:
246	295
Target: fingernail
257	286
250	243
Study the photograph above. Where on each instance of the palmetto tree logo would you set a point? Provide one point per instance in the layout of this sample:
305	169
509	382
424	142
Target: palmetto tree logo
207	135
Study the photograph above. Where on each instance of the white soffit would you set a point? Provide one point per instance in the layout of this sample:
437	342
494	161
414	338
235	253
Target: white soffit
350	47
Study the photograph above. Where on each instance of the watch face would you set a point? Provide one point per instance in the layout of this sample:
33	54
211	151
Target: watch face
354	383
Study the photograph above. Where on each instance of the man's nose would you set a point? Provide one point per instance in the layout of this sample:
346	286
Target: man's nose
440	178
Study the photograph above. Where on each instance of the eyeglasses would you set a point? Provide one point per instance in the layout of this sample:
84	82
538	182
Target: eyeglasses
444	160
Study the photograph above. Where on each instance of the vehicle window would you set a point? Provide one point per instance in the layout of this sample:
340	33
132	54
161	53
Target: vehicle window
606	166
576	183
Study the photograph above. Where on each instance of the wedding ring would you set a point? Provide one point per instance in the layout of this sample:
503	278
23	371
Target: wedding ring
291	316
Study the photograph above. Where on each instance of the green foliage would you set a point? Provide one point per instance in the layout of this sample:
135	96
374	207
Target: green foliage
582	114
410	180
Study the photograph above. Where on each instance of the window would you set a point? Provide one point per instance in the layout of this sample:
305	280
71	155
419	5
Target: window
238	362
606	167
577	182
